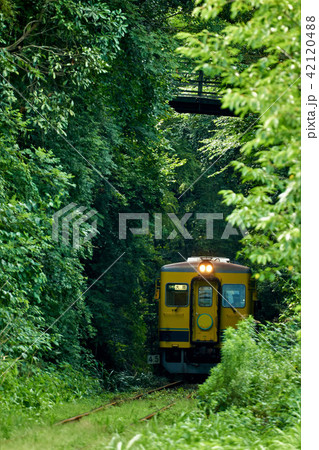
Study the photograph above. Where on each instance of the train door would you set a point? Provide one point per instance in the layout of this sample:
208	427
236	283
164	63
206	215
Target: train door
205	311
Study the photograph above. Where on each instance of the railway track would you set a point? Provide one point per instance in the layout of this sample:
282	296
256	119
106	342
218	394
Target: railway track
117	402
151	415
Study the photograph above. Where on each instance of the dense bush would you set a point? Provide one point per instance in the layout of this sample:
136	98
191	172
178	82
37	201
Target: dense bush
259	371
39	388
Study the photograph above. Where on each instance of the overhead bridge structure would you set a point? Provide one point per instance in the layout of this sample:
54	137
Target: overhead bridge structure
197	94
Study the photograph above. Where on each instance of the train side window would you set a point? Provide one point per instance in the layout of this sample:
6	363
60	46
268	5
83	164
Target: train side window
234	295
205	296
176	294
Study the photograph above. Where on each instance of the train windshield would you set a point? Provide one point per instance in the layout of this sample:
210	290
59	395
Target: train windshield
176	294
234	295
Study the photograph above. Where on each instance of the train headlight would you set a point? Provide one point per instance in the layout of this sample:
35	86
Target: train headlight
205	268
202	268
209	268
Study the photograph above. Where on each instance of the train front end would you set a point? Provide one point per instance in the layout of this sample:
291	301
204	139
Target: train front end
198	299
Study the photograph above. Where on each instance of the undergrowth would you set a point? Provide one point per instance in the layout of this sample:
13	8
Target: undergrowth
251	400
35	394
260	371
40	387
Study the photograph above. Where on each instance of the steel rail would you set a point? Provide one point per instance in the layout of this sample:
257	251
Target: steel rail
150	416
107	405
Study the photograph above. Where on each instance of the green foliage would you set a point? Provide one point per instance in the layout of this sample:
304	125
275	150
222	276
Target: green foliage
39	278
233	429
38	388
259	371
258	60
124	381
30	393
186	134
54	65
82	86
28	199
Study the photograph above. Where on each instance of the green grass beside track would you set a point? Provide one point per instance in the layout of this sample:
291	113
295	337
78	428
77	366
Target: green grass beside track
97	430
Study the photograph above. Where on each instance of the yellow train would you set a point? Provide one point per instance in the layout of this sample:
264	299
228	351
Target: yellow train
198	299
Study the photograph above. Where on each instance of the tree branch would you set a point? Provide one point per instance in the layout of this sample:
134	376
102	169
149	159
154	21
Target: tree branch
26	32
